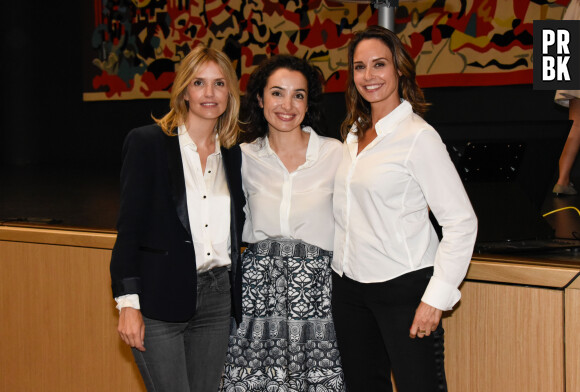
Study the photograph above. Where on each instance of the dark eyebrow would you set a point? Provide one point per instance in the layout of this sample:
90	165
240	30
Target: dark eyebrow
374	60
282	88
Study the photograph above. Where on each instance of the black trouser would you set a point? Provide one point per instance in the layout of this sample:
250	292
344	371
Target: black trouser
372	322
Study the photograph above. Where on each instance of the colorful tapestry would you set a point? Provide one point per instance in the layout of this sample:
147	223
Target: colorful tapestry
136	45
475	42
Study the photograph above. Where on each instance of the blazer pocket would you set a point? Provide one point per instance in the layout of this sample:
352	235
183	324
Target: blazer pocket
153	250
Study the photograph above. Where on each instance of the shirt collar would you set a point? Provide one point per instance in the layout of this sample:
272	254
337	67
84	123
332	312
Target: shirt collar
186	141
311	151
386	124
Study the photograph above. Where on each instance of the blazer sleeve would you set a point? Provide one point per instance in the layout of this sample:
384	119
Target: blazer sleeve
136	193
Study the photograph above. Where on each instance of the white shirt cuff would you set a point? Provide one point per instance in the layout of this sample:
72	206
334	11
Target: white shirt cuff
440	294
128	301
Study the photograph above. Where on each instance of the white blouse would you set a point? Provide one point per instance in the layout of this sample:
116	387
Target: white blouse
208	204
382	198
295	205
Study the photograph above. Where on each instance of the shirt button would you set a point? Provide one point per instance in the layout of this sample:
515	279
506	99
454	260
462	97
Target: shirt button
209	171
208	253
204	196
206	225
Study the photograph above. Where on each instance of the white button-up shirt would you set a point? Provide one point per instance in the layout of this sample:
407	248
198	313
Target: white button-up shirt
382	198
208	204
295	205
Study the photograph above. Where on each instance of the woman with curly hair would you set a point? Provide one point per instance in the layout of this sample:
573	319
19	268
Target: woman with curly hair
392	278
286	339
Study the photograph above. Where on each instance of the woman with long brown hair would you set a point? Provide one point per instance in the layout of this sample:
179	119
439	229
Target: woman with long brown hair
392	277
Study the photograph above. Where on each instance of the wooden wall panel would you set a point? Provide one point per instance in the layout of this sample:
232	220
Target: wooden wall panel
505	338
572	339
58	329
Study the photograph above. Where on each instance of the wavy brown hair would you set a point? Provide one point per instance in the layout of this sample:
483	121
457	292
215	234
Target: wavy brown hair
358	110
227	125
253	122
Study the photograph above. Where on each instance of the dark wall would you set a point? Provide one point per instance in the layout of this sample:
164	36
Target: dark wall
44	119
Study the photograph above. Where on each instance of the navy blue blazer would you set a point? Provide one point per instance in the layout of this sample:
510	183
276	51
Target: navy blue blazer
153	255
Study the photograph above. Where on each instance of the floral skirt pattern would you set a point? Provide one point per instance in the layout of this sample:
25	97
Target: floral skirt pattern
286	341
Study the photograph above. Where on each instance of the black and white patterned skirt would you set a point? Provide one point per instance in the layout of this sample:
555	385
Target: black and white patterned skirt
286	341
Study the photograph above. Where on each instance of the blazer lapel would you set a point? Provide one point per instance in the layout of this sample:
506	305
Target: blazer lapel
232	163
229	168
177	179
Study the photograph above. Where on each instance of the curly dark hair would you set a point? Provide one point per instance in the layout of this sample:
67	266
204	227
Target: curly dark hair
358	110
252	120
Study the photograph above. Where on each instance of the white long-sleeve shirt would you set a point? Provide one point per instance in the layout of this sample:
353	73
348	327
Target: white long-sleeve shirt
208	204
382	198
295	205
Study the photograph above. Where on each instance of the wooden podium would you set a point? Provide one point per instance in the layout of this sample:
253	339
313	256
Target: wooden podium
516	327
59	323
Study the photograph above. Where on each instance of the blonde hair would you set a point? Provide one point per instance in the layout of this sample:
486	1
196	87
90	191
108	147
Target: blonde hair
227	125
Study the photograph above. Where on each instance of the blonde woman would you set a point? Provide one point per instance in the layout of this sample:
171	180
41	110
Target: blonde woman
175	264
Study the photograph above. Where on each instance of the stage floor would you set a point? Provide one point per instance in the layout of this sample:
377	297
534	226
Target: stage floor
63	197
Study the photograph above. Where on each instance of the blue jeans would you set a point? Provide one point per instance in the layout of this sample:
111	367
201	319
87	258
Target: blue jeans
189	356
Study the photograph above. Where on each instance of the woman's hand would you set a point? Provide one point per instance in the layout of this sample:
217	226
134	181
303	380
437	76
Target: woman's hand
426	321
131	327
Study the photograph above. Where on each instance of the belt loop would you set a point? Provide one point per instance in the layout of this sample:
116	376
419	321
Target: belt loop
212	274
